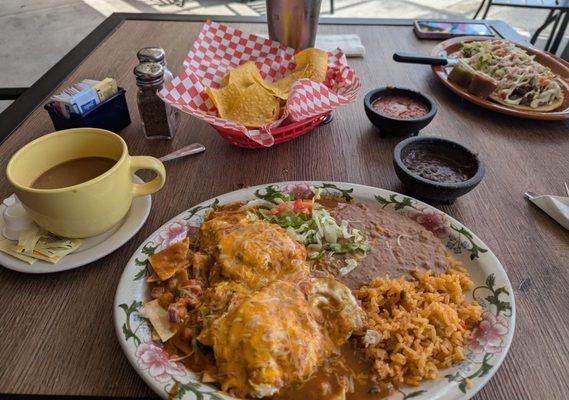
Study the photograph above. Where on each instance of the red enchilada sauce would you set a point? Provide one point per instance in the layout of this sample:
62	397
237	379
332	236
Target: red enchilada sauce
400	106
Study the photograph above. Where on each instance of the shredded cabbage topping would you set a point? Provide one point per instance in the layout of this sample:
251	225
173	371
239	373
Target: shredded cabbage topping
521	79
312	225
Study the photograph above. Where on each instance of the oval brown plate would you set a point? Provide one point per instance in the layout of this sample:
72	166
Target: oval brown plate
453	45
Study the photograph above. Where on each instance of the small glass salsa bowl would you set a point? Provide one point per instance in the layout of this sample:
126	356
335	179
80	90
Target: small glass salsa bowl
394	126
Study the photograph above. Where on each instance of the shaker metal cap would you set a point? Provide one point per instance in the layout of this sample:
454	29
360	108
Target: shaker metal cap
151	54
149	72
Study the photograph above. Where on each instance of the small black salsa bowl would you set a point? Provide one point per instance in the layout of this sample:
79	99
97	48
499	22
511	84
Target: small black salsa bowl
429	189
398	126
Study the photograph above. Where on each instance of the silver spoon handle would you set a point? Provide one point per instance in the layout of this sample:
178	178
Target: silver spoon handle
530	195
193	148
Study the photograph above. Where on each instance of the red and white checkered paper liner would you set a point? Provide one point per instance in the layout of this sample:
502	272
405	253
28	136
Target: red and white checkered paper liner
220	49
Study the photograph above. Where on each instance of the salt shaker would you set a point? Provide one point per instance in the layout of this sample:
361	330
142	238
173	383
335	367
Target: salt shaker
157	55
159	119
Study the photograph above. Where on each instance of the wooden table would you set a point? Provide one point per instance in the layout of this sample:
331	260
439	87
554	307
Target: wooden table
56	331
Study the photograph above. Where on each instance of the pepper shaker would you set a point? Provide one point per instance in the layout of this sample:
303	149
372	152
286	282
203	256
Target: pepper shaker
159	119
157	55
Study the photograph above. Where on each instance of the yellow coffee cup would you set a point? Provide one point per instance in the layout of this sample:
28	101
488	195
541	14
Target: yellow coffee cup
89	208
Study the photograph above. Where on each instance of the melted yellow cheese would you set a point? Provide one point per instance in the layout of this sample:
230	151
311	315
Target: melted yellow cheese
268	340
255	253
269	322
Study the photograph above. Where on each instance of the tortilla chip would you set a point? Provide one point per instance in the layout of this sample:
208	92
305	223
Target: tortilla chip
183	345
245	97
170	260
315	63
310	63
242	76
158	318
253	106
281	88
182	277
153	277
224	98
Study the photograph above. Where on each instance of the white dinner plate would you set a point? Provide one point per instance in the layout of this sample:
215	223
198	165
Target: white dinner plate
484	354
92	248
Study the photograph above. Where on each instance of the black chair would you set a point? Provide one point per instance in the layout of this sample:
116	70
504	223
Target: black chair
565	53
558	16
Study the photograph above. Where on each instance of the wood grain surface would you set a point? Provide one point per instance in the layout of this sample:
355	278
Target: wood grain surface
56	331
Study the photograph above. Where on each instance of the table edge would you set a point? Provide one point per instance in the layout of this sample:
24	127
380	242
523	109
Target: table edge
15	114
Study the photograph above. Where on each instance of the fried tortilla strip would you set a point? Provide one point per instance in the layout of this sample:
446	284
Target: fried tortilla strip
243	76
170	260
282	87
158	318
314	62
252	106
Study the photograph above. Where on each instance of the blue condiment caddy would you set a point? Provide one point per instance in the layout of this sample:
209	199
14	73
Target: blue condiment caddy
110	114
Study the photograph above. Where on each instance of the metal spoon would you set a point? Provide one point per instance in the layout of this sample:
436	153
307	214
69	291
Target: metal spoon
530	195
193	148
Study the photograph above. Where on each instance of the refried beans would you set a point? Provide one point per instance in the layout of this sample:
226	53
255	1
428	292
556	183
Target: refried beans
398	245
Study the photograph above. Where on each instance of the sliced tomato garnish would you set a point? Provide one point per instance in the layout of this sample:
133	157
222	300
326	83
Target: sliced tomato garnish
302	206
280	208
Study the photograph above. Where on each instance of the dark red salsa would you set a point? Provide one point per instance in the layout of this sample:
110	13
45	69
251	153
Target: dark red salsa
437	166
400	106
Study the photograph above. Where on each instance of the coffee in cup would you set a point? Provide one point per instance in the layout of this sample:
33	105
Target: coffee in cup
78	183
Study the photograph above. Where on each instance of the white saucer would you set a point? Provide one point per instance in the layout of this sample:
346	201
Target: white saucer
91	248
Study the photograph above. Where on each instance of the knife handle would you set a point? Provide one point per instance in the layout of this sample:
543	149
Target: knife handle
417	58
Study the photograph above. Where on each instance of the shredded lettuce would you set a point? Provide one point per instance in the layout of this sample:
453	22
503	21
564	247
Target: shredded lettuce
342	248
319	231
274	195
351	264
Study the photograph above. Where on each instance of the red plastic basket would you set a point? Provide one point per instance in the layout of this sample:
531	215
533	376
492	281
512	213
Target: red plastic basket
280	134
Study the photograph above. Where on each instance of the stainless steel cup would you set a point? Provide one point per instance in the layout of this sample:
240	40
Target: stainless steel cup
293	22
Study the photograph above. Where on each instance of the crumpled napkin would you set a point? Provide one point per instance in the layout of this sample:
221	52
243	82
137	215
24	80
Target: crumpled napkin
557	207
350	44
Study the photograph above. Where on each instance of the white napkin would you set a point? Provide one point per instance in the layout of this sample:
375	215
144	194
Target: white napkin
556	206
350	44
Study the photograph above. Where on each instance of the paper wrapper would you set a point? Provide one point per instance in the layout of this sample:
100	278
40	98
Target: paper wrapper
557	207
220	49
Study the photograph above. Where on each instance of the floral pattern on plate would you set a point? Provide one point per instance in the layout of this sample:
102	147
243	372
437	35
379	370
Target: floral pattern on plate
487	349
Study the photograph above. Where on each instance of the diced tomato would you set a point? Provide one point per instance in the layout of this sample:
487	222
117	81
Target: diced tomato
543	81
280	208
302	206
297	206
